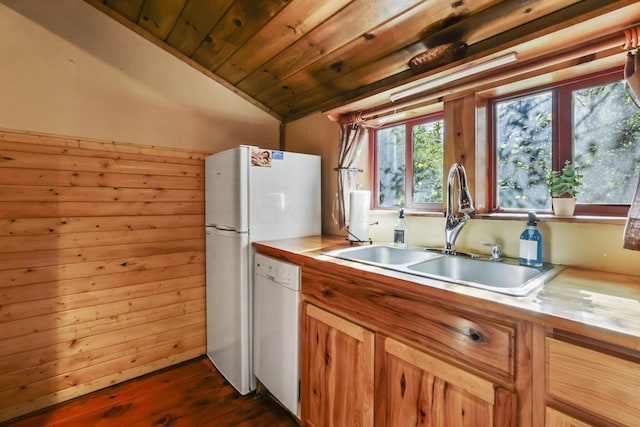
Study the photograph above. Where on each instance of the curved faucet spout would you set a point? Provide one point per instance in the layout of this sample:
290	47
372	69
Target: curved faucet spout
454	223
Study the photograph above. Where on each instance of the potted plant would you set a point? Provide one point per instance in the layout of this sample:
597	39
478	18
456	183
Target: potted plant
563	187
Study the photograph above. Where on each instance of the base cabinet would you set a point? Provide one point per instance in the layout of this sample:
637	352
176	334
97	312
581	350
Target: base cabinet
377	352
341	362
597	385
421	390
337	371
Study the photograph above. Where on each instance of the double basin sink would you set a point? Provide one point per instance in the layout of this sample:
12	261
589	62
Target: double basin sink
506	276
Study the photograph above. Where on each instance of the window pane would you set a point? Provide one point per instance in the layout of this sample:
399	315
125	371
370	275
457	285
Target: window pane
524	133
427	162
606	144
391	166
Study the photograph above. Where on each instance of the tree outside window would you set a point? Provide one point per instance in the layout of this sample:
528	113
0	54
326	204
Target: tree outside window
592	122
606	143
418	144
523	136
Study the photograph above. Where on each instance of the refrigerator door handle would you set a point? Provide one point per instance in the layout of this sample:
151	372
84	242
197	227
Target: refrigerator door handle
221	227
225	228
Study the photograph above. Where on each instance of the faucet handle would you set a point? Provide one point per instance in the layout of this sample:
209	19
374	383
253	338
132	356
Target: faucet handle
496	250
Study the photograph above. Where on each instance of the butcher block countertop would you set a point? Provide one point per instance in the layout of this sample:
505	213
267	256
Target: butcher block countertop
604	306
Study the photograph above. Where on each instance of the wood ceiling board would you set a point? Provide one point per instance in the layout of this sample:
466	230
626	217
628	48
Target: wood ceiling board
347	85
130	9
569	39
237	26
99	5
158	17
501	17
343	83
366	58
293	23
196	20
348	24
309	56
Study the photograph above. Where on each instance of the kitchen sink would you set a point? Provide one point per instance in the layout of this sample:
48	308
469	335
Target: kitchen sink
382	255
506	277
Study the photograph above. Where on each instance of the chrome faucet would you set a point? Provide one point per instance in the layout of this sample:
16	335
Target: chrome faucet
454	223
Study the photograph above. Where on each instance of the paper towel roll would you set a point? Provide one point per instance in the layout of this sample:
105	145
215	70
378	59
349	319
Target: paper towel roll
359	201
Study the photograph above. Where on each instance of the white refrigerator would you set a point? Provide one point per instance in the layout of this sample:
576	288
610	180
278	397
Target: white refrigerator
251	194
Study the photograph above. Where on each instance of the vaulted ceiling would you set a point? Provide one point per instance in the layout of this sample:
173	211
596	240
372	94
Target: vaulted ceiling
296	57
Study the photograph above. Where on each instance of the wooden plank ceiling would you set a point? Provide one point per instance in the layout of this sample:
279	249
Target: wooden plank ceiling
297	57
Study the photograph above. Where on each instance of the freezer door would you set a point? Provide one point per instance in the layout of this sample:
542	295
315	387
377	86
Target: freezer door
285	197
226	189
229	306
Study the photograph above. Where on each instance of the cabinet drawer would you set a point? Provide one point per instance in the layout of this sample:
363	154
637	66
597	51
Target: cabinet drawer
474	340
604	385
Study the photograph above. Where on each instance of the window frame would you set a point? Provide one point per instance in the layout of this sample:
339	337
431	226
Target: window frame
408	178
561	131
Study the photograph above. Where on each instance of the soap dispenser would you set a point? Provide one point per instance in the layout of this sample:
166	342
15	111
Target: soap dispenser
531	243
400	231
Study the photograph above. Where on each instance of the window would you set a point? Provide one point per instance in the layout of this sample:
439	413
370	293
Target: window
419	144
591	121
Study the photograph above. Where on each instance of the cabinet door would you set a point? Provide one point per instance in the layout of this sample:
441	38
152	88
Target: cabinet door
555	418
422	390
593	382
337	373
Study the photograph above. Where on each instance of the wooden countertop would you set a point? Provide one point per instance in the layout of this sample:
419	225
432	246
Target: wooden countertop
604	306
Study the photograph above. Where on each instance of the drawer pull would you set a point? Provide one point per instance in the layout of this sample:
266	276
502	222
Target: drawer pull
475	336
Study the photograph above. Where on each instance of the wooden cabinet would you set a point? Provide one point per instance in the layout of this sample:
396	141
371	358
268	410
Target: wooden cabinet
422	390
342	361
337	371
378	350
555	418
482	342
593	381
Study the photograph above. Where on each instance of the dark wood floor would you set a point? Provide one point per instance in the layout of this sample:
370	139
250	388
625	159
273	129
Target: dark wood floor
190	394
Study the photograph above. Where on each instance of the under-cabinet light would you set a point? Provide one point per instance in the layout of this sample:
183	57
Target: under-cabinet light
466	72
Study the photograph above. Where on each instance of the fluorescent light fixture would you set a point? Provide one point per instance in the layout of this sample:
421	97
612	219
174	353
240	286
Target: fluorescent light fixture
465	72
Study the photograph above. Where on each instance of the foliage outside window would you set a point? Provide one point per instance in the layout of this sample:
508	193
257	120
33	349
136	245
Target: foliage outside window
419	144
592	122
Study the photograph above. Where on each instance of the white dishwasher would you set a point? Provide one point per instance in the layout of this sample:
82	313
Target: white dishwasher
276	328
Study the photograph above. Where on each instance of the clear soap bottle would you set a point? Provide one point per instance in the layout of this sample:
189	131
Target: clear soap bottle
400	231
531	243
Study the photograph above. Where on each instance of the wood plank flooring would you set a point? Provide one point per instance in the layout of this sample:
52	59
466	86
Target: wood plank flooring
193	393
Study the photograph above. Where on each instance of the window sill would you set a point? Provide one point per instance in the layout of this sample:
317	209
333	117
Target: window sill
512	216
407	212
553	218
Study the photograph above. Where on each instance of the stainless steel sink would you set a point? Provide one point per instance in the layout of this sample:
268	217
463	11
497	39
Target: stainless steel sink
382	255
507	276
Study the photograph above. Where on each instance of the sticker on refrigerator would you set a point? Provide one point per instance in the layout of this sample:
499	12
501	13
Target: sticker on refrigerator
260	157
277	155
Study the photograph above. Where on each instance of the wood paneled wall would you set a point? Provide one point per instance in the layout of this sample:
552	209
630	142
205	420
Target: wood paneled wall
101	265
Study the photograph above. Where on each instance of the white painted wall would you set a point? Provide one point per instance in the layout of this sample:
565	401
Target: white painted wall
316	134
68	69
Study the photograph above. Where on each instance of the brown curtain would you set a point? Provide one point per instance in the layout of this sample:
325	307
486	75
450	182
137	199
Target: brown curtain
352	140
632	82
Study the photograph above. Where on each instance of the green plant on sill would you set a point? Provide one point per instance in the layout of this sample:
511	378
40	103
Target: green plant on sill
564	183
